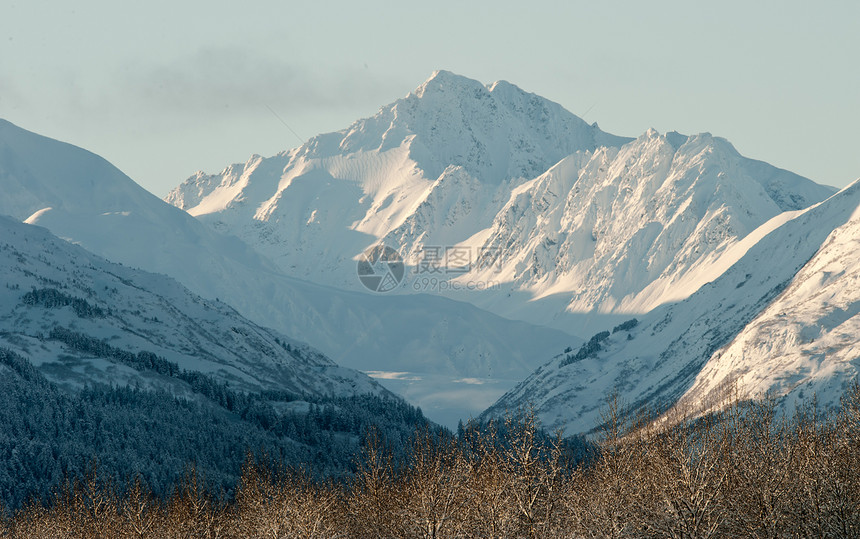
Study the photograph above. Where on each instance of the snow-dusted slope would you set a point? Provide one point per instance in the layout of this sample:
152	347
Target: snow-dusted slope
561	218
82	198
102	362
778	319
54	289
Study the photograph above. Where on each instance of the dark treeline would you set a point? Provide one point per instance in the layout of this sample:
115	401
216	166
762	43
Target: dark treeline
48	434
595	344
52	298
745	472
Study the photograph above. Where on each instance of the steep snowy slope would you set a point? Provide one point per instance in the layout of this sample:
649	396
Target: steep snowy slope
431	168
82	198
806	341
559	222
57	296
733	330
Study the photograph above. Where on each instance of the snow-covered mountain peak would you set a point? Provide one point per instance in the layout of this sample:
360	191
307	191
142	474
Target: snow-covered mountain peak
443	81
371	178
495	132
597	222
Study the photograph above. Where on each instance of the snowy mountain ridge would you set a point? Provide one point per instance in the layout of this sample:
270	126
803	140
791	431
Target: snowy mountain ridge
628	230
577	220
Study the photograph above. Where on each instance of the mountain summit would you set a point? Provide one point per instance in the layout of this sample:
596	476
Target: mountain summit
495	133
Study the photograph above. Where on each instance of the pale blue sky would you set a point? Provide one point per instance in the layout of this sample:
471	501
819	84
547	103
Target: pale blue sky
163	88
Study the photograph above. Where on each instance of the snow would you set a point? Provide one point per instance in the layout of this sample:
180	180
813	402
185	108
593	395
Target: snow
805	342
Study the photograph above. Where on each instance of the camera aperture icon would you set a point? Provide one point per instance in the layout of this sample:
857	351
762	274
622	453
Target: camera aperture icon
380	268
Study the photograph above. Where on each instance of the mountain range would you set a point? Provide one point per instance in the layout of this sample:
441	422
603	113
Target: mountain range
552	218
547	262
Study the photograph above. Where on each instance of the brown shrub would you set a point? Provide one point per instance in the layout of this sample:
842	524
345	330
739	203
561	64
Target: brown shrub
746	471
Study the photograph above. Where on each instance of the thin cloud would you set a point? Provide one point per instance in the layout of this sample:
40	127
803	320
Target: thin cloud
239	81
